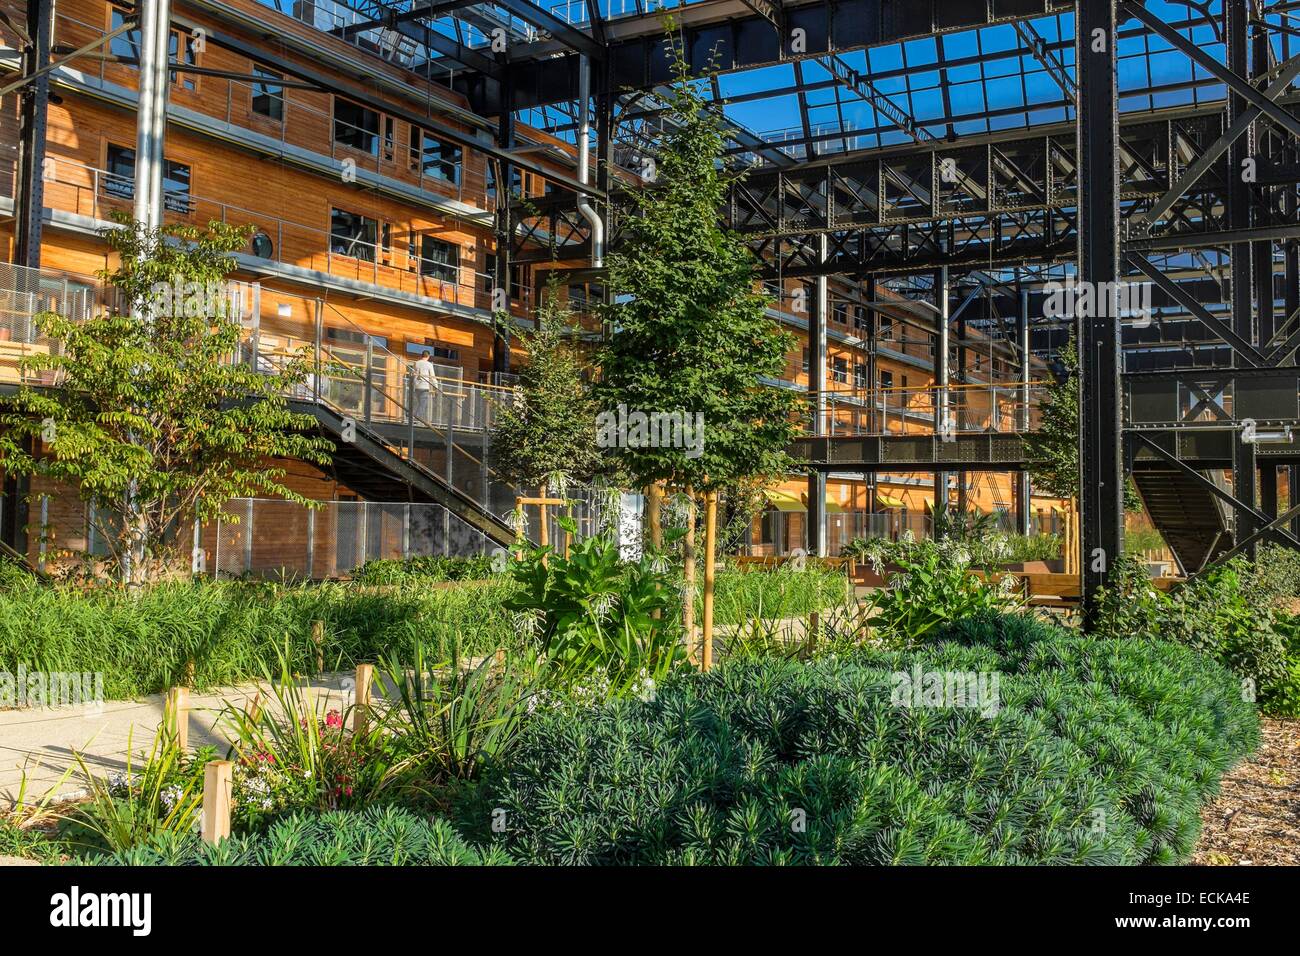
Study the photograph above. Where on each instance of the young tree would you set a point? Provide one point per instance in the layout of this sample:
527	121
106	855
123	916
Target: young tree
688	332
1052	450
548	434
152	419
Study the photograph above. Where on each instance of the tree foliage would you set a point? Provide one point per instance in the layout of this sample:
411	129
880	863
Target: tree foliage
153	422
688	329
1053	449
548	433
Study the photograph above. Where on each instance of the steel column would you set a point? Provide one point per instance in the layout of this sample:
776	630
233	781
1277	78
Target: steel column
1101	488
151	116
1024	496
501	291
1268	490
942	406
30	196
817	317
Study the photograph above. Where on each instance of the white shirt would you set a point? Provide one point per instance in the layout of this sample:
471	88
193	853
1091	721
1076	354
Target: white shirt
424	374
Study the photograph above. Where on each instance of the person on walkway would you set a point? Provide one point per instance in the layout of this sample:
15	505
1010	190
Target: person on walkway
425	380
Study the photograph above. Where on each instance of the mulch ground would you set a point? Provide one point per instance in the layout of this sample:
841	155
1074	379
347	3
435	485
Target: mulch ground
1255	820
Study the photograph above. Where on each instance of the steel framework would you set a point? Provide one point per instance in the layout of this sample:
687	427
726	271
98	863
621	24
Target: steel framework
961	154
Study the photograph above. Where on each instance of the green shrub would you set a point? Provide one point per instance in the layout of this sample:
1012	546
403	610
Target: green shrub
596	616
1100	751
933	587
424	569
378	836
1224	613
1284	696
452	717
1274	575
986	547
232	631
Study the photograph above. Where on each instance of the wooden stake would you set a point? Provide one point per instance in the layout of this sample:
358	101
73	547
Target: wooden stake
253	710
215	824
710	572
176	716
543	529
653	506
688	570
318	638
361	701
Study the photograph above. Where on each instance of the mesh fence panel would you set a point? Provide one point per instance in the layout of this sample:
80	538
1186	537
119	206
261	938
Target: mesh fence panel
276	539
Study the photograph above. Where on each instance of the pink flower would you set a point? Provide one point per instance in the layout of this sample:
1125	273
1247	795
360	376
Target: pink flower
333	719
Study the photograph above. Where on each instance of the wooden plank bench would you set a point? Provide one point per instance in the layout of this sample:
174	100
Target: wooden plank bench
1056	590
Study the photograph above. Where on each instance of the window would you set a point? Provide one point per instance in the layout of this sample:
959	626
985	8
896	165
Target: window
859	375
182	40
840	370
439	259
886	379
432	157
356	127
353	235
388	138
120	179
433	349
268	94
126	45
805	361
262	246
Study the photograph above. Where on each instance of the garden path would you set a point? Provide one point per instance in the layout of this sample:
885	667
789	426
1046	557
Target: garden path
43	743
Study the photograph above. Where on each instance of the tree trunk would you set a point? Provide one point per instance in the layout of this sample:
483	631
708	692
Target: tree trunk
688	569
710	570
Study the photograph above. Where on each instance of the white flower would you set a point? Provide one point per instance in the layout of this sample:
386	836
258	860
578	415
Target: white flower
170	796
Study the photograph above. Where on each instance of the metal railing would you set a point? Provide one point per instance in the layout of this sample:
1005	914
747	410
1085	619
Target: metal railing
447	433
787	532
1003	408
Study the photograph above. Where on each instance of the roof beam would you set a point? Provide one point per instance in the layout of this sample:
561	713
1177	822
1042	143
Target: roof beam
571	37
745	38
1235	82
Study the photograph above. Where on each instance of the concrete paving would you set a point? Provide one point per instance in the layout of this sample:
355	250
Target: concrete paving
42	744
